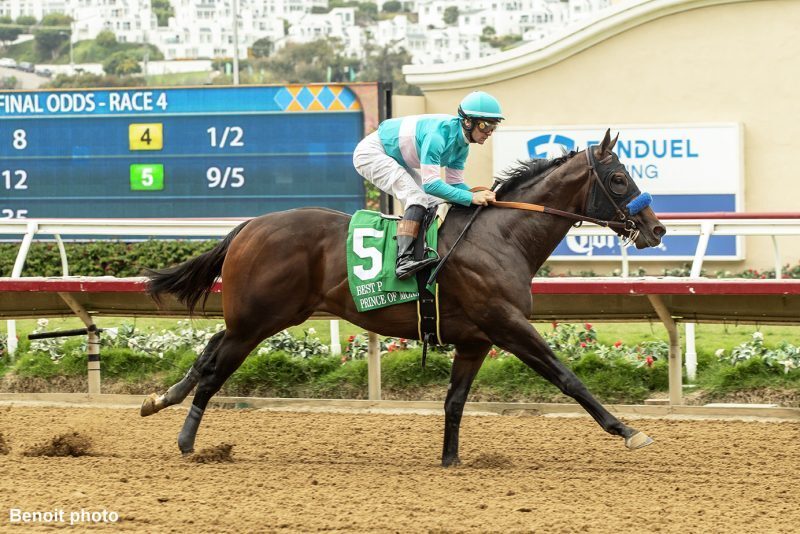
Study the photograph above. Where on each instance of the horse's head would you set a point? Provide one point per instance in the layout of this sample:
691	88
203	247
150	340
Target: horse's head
614	196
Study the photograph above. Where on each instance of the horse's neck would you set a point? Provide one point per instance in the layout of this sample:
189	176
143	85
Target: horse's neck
535	234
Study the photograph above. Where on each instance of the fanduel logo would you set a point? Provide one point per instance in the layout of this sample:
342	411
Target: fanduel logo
549	146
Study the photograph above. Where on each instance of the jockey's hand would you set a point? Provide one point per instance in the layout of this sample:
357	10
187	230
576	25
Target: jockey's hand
482	198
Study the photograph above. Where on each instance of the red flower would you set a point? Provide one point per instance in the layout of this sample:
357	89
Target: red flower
350	339
588	326
649	361
583	345
493	353
555	324
618	344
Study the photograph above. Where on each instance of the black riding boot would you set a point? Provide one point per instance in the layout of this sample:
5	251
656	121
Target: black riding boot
407	231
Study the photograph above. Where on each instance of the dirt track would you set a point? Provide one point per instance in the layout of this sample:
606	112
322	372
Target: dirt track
300	472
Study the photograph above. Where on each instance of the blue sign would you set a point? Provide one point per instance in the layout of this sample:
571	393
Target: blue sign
188	152
687	169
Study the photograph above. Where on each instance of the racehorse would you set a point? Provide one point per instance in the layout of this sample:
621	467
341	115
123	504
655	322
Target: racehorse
280	268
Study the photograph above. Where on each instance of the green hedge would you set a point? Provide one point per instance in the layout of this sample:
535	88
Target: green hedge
280	374
102	258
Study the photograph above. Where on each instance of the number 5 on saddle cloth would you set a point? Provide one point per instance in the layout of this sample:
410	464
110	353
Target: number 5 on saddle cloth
371	257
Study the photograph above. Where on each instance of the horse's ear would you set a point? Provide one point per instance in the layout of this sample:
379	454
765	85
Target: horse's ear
613	143
604	144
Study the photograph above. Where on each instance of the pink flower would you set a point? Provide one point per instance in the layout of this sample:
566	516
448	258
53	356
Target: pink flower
618	344
588	326
583	345
493	353
649	361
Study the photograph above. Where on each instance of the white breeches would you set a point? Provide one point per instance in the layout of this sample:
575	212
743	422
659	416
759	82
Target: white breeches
378	168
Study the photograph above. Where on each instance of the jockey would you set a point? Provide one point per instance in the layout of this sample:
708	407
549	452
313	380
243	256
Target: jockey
405	157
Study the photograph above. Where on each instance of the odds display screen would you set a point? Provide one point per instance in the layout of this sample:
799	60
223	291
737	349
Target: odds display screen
185	152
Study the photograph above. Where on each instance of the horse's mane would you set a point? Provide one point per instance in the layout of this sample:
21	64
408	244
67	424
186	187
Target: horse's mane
531	171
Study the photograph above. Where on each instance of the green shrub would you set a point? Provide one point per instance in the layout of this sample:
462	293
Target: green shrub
348	381
610	380
102	258
276	371
404	368
747	374
36	365
508	377
321	366
128	364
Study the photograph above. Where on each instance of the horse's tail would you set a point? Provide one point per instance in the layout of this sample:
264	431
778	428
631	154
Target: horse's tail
193	279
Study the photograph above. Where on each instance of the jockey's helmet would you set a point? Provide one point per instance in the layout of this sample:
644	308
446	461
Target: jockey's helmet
480	105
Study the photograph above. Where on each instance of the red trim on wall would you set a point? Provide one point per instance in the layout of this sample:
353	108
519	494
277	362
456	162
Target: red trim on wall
541	286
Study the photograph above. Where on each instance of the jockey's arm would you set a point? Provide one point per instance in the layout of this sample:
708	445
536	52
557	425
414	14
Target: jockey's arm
451	193
430	170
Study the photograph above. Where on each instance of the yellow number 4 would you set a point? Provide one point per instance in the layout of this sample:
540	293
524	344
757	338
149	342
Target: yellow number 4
146	136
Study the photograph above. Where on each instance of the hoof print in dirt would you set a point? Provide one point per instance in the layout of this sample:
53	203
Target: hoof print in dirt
68	444
218	454
491	461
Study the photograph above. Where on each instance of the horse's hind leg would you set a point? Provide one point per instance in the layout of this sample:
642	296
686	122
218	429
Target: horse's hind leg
466	364
229	355
175	394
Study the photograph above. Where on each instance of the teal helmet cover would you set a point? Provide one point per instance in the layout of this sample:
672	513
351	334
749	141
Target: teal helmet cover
480	105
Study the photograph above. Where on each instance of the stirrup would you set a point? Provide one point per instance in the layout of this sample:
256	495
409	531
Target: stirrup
429	250
413	267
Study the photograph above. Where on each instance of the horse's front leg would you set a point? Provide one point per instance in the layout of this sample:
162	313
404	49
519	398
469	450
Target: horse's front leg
467	362
521	339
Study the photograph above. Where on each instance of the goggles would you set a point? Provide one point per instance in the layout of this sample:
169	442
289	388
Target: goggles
485	126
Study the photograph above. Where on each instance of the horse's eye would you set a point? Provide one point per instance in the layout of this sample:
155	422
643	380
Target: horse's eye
619	184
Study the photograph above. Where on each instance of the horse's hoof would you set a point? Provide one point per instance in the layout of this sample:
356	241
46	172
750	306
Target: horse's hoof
149	406
638	441
451	462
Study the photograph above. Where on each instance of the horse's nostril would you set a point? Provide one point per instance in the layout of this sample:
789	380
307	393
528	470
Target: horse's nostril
659	231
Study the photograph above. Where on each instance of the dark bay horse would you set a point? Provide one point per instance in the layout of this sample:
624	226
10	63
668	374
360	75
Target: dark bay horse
280	268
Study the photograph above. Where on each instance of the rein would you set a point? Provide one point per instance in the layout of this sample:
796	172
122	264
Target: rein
552	211
625	224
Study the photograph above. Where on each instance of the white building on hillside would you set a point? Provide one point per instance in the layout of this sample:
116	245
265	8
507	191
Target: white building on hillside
339	24
433	40
442	45
35	8
204	28
391	32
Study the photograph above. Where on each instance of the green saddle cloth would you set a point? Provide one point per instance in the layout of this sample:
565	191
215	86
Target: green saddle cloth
371	259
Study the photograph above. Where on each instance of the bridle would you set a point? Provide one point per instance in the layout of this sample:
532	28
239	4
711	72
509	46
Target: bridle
624	224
